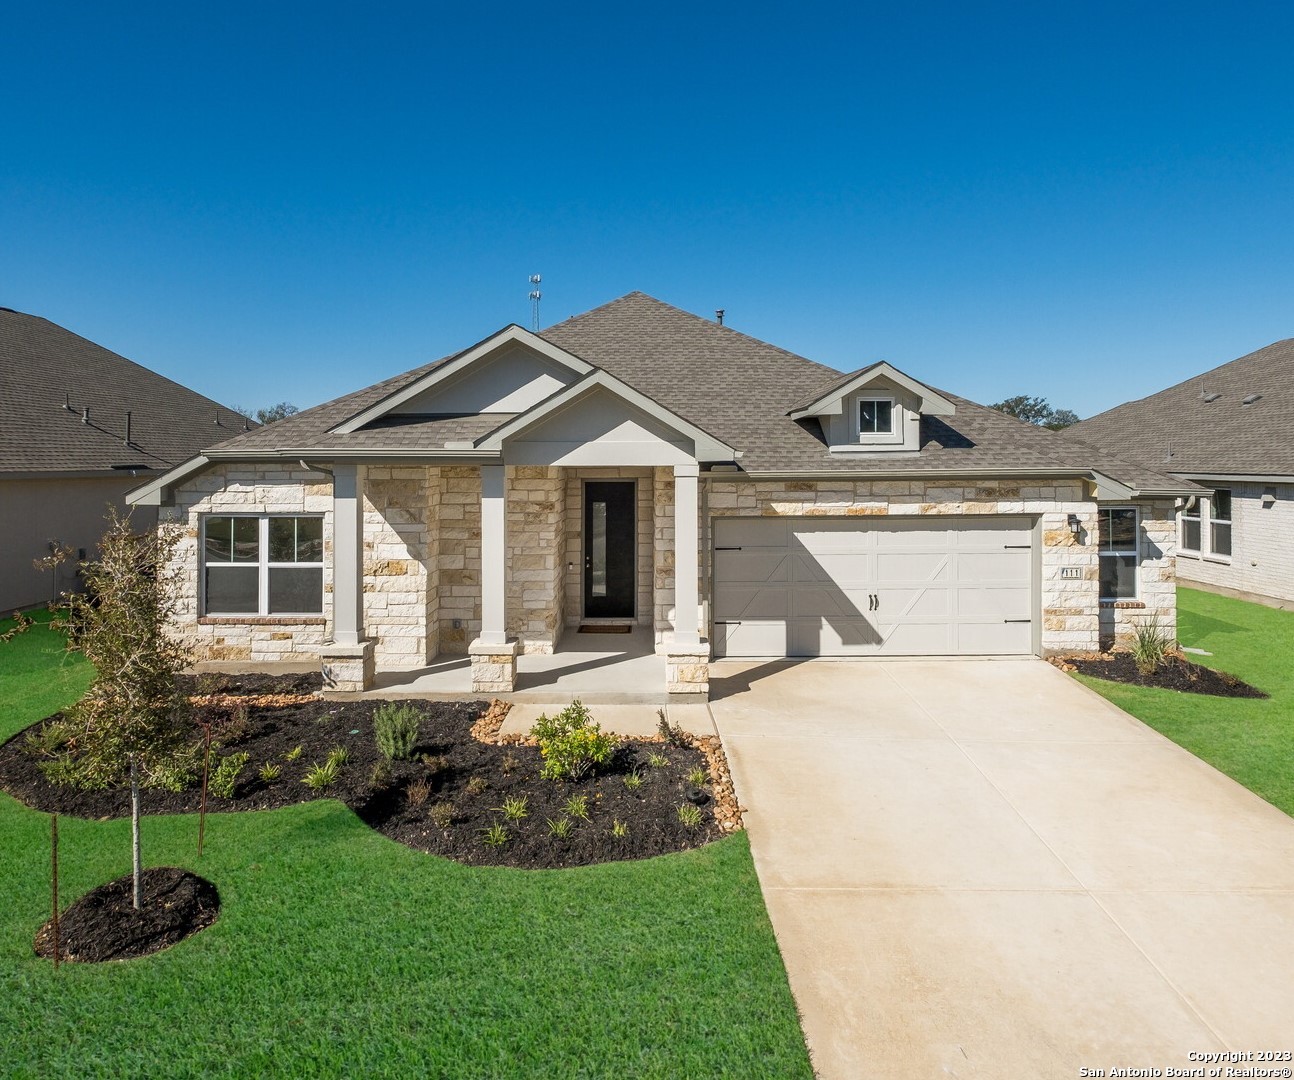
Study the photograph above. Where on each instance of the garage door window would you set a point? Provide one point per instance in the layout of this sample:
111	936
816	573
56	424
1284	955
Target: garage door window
1118	544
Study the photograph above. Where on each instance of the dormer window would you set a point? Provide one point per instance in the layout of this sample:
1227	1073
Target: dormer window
876	416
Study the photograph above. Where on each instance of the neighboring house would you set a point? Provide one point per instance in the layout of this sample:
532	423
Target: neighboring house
638	464
1231	430
79	427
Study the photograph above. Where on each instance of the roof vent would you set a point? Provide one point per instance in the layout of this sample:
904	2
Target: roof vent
85	415
1212	397
718	315
1251	399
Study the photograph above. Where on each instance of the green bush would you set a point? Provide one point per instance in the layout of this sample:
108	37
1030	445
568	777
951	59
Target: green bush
1151	646
224	778
318	776
571	743
395	727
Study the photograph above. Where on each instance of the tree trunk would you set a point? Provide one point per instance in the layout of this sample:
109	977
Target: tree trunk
134	829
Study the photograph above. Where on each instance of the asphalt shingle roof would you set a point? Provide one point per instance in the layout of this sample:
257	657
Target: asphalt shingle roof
1221	436
733	386
41	362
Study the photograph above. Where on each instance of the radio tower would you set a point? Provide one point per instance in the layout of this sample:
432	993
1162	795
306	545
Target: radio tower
535	297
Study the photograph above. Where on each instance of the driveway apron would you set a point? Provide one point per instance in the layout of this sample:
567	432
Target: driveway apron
983	869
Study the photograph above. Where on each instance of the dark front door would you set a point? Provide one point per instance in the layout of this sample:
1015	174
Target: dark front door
610	553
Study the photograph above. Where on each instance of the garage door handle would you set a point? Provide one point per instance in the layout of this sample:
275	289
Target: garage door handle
1017	547
1017	620
873	602
727	549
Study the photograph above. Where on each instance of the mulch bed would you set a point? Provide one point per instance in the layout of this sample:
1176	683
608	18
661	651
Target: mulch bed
1175	673
104	925
442	802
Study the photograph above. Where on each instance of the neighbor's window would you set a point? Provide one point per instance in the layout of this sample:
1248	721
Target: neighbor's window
262	565
1118	547
1220	522
876	416
1188	532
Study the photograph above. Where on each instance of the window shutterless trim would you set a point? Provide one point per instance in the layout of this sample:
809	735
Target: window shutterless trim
1122	553
263	568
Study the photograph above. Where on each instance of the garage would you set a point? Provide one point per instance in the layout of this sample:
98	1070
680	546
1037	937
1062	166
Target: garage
820	586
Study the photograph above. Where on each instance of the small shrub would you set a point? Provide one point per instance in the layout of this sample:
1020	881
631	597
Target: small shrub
338	756
511	763
51	738
179	773
619	829
1151	646
634	780
442	814
395	727
698	777
560	828
293	754
689	815
380	777
671	733
271	772
237	727
657	761
577	806
319	777
476	785
224	778
571	743
513	809
496	836
418	792
61	771
436	763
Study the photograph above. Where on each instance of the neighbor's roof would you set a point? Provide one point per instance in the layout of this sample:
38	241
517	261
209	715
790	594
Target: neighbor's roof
736	388
1206	434
41	362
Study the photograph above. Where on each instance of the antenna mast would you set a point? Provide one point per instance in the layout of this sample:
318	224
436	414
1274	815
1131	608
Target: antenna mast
535	297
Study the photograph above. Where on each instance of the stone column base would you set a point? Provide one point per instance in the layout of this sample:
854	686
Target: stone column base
494	667
347	669
687	669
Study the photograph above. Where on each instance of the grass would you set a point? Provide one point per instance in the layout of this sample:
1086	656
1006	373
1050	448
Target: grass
1252	741
339	950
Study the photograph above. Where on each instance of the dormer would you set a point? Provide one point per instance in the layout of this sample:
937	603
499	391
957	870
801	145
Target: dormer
876	409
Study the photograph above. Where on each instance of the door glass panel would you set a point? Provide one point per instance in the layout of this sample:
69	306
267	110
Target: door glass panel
598	551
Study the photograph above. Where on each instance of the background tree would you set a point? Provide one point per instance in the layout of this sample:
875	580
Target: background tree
268	416
1036	410
131	726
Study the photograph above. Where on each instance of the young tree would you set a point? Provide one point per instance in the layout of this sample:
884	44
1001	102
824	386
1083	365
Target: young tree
132	722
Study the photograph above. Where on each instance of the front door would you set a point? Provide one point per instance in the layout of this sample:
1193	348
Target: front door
610	552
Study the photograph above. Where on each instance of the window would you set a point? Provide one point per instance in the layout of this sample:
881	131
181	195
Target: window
1188	535
1117	539
876	416
1219	512
263	565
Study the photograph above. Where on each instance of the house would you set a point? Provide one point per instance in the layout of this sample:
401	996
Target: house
638	465
79	427
1229	431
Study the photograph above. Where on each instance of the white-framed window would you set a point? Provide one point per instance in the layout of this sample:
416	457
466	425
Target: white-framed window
262	564
875	416
1218	507
1117	536
1188	529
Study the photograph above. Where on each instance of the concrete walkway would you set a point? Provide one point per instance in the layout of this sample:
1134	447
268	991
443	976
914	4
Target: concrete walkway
983	869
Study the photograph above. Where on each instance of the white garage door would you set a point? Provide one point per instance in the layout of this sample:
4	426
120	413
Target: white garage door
888	587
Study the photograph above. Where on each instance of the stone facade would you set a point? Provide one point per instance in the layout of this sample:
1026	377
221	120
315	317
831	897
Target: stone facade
400	564
537	532
1156	580
248	489
1260	563
459	523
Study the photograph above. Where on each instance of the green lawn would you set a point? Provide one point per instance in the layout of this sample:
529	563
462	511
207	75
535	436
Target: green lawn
341	953
1251	741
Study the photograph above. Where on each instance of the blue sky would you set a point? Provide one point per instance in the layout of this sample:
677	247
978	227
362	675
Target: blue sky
271	202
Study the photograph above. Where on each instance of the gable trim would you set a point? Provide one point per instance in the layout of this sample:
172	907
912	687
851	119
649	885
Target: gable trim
932	403
509	334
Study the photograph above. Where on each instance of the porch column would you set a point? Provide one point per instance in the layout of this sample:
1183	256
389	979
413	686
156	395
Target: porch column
493	657
494	557
686	599
348	660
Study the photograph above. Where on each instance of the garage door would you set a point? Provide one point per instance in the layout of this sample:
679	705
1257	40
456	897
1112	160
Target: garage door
888	587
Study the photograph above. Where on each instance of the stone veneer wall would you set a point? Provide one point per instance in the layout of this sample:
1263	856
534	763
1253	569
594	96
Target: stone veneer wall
1157	579
574	530
536	514
248	489
1260	560
401	542
1069	607
663	556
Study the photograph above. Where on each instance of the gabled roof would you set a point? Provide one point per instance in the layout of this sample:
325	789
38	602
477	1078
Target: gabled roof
42	365
730	386
1202	426
830	397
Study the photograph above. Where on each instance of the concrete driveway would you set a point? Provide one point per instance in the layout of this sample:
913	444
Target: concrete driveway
981	868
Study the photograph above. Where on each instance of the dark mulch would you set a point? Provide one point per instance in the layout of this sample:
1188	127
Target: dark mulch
305	682
1175	673
104	925
455	761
